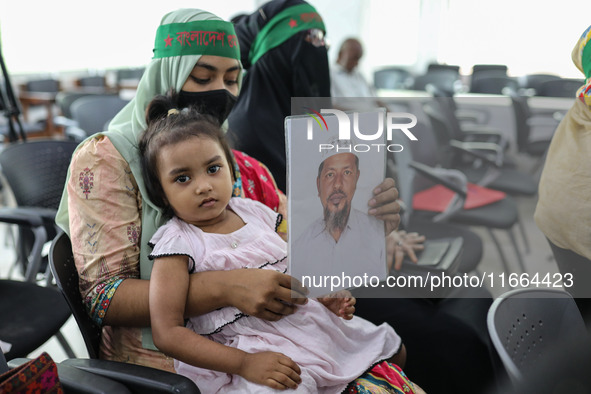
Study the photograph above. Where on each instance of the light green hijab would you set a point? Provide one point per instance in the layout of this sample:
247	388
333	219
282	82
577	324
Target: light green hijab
182	38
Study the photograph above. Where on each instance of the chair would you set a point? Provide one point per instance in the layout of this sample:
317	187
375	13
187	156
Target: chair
525	325
92	82
31	314
501	214
47	85
15	127
564	87
483	145
35	172
128	77
93	112
64	101
500	69
487	70
525	121
443	79
494	84
443	67
533	81
61	262
392	78
138	378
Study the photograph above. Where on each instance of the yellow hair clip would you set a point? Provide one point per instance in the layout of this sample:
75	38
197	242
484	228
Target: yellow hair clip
173	111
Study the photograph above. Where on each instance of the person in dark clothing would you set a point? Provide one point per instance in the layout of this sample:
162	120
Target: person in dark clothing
284	55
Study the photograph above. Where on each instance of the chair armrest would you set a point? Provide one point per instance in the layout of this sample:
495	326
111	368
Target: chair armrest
75	133
75	380
137	378
21	217
472	116
486	134
437	176
477	150
64	122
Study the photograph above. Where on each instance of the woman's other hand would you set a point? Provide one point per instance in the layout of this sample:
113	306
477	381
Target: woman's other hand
400	244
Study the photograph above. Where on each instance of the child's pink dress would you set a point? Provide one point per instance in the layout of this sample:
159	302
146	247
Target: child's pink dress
330	351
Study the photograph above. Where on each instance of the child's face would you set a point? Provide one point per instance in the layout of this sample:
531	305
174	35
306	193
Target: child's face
196	179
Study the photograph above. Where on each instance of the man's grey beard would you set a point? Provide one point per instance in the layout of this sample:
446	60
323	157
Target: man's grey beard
336	220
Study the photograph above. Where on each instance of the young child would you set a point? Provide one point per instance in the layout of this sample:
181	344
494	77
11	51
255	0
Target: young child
321	348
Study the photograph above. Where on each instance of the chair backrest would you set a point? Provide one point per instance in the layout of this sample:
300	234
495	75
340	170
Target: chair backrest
36	170
494	85
43	85
444	128
392	78
524	324
96	81
533	81
498	69
63	268
522	113
563	87
64	100
92	112
445	80
441	67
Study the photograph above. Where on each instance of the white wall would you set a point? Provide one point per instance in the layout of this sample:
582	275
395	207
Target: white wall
43	36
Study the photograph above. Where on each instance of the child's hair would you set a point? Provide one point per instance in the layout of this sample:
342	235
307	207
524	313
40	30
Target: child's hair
169	125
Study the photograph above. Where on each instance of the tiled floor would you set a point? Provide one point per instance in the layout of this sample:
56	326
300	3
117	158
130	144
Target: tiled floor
538	259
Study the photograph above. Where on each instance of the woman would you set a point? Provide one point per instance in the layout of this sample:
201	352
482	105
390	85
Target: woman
109	219
562	212
282	62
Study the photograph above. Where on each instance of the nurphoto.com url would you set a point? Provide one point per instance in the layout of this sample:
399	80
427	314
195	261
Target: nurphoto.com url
434	281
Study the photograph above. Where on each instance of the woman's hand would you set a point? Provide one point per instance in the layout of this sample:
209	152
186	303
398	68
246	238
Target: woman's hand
383	204
400	244
341	303
266	294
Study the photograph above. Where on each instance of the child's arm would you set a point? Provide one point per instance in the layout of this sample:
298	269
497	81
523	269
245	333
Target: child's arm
168	292
341	303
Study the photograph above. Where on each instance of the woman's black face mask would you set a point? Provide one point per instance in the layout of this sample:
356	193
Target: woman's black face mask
217	103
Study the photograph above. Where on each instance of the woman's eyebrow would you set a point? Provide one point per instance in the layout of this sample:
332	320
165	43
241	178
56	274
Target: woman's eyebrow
210	67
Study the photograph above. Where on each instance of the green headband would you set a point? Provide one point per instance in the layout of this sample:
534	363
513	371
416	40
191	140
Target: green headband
282	26
214	37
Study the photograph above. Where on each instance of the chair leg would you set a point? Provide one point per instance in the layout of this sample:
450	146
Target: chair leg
516	248
500	249
65	345
523	234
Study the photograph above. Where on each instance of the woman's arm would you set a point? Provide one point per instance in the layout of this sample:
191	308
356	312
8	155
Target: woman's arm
266	294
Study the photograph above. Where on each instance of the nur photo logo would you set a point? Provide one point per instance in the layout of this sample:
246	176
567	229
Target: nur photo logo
395	122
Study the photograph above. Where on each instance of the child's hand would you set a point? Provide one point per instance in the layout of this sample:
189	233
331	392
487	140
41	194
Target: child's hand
271	369
341	303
